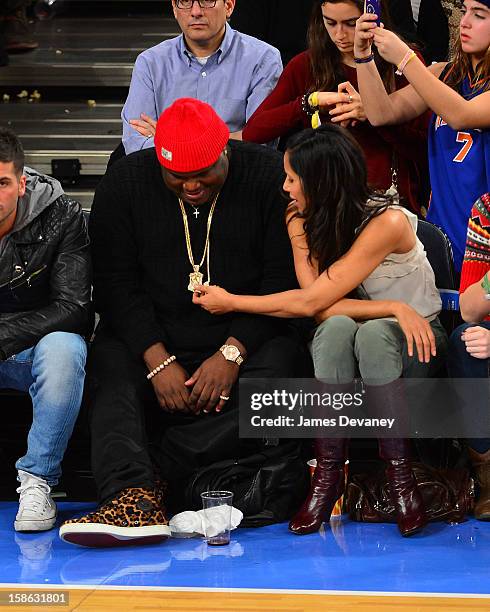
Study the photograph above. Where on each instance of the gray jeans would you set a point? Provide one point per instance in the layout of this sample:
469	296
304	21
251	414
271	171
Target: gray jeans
375	351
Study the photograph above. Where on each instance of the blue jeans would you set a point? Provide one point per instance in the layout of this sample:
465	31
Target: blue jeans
53	373
461	364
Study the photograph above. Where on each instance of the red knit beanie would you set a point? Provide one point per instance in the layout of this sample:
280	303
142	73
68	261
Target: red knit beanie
190	136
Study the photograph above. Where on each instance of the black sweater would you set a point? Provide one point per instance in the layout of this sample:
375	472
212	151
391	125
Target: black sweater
141	267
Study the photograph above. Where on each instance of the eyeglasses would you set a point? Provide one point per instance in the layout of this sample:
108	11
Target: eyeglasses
186	5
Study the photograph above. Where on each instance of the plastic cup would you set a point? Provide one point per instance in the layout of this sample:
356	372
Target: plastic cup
337	509
217	526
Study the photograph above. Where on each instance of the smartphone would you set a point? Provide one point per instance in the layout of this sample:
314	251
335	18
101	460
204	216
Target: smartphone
374	7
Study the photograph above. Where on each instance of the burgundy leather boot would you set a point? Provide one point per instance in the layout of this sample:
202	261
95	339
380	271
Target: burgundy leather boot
327	485
404	492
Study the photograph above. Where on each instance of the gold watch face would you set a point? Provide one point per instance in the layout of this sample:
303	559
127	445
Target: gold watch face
231	353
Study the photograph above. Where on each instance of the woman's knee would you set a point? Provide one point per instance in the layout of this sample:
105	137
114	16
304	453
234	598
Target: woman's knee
378	348
459	362
336	329
332	348
456	344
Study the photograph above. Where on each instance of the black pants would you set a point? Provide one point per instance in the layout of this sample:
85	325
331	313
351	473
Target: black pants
123	409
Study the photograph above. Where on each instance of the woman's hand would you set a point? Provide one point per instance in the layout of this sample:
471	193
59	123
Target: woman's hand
417	330
146	126
364	35
331	98
389	46
214	299
350	112
477	341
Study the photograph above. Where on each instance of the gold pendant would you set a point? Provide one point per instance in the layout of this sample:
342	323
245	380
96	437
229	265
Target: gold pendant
195	279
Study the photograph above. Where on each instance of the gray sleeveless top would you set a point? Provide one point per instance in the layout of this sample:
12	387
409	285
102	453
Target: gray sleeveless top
406	277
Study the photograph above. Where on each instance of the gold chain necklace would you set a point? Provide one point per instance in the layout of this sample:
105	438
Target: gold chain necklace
196	276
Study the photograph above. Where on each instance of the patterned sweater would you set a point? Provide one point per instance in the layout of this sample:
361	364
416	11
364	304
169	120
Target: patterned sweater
476	261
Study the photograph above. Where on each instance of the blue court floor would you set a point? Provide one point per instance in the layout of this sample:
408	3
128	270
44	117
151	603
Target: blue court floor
347	556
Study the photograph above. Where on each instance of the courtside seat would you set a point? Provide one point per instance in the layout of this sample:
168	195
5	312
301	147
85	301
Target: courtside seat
440	256
441	452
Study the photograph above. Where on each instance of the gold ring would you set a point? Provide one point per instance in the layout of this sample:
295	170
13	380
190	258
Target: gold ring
350	99
224	398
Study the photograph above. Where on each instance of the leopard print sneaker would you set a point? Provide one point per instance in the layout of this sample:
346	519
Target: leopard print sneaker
134	516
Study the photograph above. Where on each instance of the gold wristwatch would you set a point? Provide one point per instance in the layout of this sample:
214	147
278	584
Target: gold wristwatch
231	353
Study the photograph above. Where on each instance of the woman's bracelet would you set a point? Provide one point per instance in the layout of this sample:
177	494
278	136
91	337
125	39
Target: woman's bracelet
313	101
364	60
305	106
309	103
409	55
161	367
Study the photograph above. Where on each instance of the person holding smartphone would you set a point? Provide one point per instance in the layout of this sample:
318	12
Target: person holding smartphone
345	235
458	93
320	85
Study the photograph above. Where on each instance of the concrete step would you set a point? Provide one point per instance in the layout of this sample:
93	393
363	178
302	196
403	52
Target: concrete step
51	131
86	52
81	56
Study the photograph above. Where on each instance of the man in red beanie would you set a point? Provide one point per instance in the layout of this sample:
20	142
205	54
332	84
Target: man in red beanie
197	208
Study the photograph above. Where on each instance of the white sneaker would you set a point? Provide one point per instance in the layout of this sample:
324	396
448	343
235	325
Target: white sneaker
37	510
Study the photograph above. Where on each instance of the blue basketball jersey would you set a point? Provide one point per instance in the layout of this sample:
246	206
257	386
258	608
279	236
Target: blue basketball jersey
459	163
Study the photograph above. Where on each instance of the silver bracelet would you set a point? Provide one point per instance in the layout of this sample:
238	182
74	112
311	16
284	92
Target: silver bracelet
161	367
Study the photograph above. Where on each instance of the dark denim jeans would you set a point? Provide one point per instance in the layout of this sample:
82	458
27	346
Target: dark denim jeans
462	365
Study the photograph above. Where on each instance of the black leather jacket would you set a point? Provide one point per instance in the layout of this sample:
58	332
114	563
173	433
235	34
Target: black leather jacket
44	269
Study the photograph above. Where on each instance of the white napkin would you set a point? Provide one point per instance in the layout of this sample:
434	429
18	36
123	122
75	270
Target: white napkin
207	522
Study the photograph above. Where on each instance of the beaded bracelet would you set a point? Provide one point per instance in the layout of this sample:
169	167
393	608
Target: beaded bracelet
364	60
161	367
305	107
409	55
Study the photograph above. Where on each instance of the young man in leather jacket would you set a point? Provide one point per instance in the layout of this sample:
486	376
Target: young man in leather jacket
44	311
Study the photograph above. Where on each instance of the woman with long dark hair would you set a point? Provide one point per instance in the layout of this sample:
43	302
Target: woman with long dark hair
345	236
324	78
458	93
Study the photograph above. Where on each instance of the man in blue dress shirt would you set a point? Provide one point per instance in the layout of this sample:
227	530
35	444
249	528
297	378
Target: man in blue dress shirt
209	61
